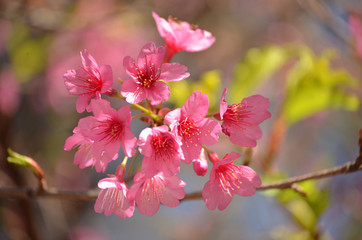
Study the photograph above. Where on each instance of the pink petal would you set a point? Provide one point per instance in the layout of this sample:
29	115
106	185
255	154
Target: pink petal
173	117
214	197
191	152
144	144
199	41
200	165
108	183
129	65
132	92
82	103
209	131
159	92
196	106
163	26
260	108
247	137
223	104
88	60
100	107
129	143
107	77
173	72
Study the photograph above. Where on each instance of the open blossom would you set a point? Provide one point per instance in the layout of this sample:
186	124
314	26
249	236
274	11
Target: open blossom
160	149
101	136
192	128
84	156
88	81
241	121
150	189
147	73
227	179
181	36
112	199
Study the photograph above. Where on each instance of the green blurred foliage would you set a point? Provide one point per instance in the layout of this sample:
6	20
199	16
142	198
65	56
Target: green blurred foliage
27	51
313	86
209	83
257	65
305	210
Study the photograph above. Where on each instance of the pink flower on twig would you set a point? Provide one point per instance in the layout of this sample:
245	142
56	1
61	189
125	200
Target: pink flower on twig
192	128
241	121
88	80
150	189
227	179
101	136
147	73
160	149
181	36
113	196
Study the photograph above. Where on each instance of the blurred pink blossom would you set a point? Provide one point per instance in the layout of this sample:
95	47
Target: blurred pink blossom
9	93
146	74
181	36
355	27
227	179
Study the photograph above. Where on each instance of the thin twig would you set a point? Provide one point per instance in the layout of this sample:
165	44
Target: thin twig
89	195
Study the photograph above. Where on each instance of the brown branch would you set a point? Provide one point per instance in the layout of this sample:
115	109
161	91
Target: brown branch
89	195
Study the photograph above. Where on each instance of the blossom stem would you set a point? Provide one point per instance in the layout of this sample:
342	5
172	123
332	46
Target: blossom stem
143	109
133	161
139	115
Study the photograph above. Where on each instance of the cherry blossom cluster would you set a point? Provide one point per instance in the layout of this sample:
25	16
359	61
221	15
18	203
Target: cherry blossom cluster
172	136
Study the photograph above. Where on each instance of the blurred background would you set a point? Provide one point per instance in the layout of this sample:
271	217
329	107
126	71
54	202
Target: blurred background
306	56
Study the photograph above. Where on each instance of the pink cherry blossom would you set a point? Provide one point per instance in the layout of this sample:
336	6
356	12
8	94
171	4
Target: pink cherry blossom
88	80
150	189
101	136
241	121
113	196
160	149
181	36
84	156
147	73
227	179
192	128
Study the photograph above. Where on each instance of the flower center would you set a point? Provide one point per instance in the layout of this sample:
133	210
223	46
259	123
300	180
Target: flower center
91	81
148	75
229	178
236	115
163	146
189	130
112	130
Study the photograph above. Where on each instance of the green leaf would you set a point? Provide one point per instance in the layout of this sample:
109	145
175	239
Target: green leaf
313	86
257	66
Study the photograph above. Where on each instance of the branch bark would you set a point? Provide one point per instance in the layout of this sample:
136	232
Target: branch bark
90	195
